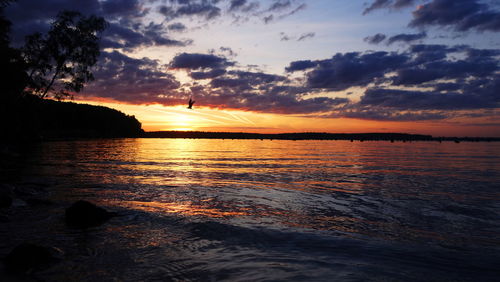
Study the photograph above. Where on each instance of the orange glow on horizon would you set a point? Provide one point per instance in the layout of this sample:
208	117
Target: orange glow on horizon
155	117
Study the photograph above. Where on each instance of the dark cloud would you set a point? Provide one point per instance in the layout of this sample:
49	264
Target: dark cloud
353	69
405	37
128	37
425	53
199	8
207	74
280	5
306	36
238	81
294	11
125	30
206	10
431	62
382	114
127	79
281	9
301	65
228	51
377	4
243	6
391	4
30	16
196	61
398	4
268	19
462	15
443	79
122	7
261	92
284	37
177	27
426	100
375	39
237	4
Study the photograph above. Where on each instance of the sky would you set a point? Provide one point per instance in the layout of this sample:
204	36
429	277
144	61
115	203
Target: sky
414	66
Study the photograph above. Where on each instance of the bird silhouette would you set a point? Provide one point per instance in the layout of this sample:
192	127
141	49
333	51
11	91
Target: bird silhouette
191	102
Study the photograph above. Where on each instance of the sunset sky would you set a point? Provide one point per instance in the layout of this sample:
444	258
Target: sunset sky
412	66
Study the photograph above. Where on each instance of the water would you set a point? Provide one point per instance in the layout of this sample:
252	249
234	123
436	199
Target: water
251	210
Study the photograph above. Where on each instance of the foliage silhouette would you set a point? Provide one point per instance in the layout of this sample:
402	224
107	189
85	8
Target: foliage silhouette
11	62
59	62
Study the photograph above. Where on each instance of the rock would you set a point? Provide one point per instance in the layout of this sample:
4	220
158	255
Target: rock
27	257
83	214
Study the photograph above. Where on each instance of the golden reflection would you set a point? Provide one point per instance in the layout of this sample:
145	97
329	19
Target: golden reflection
185	208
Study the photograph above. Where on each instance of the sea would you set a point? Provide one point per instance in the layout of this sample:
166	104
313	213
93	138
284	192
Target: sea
262	210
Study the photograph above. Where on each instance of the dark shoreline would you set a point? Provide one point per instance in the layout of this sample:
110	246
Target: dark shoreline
404	137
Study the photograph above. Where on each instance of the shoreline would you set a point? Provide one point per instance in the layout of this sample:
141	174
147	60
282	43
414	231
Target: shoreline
392	137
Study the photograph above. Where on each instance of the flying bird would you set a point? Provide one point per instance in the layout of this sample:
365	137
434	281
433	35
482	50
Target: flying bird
191	102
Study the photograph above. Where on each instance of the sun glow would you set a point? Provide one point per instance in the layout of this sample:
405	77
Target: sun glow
162	118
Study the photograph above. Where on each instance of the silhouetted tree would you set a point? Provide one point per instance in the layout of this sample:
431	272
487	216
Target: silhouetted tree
59	63
11	62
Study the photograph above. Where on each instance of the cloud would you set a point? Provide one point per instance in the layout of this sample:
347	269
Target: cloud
294	11
405	37
306	36
228	51
424	82
261	92
301	65
177	27
122	7
127	79
284	37
461	15
206	10
443	80
196	61
125	17
237	4
280	5
129	36
268	19
375	39
199	8
207	74
30	16
427	100
346	70
430	63
382	114
243	6
390	4
285	7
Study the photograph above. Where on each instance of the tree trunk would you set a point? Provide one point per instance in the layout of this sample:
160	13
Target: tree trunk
51	82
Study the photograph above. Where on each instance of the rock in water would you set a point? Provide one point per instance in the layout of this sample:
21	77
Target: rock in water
27	257
83	214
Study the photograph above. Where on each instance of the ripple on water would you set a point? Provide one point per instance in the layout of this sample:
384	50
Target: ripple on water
273	210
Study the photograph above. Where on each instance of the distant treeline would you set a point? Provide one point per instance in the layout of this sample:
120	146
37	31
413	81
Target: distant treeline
32	118
312	136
